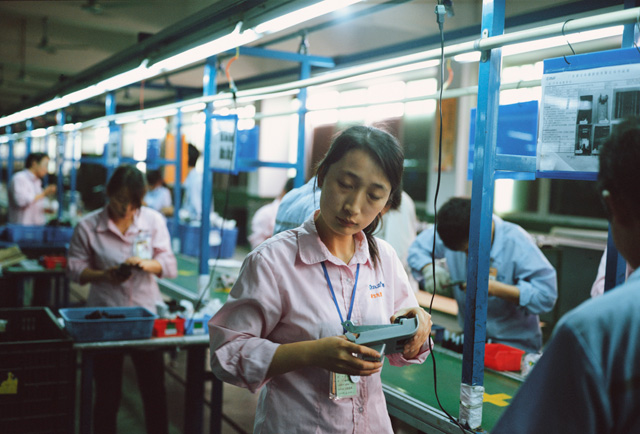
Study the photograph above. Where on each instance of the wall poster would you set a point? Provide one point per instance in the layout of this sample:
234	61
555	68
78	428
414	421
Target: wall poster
581	102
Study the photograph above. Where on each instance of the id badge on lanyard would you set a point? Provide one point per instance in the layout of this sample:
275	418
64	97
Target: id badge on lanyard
342	385
142	245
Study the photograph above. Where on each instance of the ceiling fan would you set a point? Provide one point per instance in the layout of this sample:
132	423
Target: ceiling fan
46	46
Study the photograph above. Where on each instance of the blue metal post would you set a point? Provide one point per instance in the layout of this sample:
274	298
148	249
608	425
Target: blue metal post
209	88
482	198
60	160
9	131
177	185
73	176
114	130
305	72
29	139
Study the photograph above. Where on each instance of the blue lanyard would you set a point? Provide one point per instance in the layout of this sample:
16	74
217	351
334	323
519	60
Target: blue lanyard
333	294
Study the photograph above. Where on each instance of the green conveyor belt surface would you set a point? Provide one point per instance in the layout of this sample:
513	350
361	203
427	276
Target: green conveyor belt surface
416	381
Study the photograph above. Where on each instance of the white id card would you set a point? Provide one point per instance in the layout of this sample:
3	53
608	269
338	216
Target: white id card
142	245
342	386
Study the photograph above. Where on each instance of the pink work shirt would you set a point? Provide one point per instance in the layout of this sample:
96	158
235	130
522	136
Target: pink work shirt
98	244
281	296
23	208
263	222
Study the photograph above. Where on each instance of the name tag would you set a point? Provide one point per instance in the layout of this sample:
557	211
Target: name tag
342	386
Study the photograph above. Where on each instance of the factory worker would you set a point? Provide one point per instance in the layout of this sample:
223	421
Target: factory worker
280	331
124	232
192	204
522	282
264	219
587	379
296	206
158	196
26	195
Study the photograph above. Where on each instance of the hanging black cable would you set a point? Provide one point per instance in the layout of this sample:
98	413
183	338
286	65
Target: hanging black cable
440	14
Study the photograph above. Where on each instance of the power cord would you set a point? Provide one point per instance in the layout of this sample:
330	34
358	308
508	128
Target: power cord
440	12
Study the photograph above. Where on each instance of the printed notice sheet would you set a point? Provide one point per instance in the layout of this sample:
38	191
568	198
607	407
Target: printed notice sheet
578	110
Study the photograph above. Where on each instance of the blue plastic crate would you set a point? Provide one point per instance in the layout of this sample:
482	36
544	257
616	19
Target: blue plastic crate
136	324
190	241
197	326
26	233
58	234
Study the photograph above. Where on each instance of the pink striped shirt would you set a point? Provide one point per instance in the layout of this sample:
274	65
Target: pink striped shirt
98	244
281	296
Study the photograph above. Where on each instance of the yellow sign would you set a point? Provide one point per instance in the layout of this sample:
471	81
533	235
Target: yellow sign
9	386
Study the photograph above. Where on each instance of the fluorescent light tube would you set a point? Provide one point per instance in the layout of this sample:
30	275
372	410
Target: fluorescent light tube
301	15
204	51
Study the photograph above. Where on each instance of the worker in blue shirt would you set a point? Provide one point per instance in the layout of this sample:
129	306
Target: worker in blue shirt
522	282
587	379
297	205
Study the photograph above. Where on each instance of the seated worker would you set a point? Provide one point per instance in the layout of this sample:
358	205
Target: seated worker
522	282
263	221
26	205
158	196
587	379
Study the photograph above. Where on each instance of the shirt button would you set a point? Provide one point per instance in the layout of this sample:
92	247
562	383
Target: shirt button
361	409
348	280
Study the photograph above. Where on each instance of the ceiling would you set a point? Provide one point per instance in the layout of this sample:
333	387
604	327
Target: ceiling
46	45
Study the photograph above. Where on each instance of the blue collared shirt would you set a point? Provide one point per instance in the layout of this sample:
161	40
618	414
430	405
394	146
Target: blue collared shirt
296	206
518	262
587	379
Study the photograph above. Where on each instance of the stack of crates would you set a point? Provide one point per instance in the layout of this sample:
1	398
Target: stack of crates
37	373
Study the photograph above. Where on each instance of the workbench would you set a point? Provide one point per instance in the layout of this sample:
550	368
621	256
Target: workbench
196	347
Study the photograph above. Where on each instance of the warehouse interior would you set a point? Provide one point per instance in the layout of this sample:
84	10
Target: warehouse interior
98	83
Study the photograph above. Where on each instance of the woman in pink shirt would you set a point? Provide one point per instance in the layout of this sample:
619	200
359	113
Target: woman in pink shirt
281	329
26	205
124	232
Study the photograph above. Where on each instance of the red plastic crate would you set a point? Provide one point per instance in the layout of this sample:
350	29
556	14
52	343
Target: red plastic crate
502	357
53	262
165	327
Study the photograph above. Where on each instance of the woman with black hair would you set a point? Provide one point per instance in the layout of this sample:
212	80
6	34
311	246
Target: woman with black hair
281	329
124	232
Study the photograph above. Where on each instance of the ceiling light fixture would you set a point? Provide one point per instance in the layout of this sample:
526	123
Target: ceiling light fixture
546	43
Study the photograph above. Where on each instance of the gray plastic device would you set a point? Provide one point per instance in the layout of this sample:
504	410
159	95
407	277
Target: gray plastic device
384	338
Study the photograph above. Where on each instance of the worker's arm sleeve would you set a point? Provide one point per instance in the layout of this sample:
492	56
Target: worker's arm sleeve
240	351
80	254
535	278
404	298
563	393
23	193
162	248
420	252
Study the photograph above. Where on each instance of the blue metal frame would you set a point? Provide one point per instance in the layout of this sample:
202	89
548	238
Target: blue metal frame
616	265
209	88
60	160
482	198
8	130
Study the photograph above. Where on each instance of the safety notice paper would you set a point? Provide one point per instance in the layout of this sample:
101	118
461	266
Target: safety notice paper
578	110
